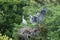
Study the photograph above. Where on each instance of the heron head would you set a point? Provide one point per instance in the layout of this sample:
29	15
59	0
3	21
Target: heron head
30	16
23	17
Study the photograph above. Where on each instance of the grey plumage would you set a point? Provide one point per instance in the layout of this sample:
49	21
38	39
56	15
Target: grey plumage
38	17
41	14
32	20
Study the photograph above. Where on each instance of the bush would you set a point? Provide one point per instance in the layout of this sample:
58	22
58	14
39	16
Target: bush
4	37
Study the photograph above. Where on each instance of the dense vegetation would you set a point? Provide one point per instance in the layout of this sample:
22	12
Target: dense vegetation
11	12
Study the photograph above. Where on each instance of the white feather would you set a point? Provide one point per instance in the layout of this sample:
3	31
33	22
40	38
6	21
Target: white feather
24	21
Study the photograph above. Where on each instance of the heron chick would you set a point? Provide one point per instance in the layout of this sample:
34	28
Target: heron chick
24	21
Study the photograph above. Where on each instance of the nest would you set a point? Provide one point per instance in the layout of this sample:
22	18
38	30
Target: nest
28	32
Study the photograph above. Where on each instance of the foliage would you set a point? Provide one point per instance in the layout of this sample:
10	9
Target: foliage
53	23
11	12
4	37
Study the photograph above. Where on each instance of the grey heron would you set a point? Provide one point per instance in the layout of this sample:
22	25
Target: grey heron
41	14
38	17
24	21
32	20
